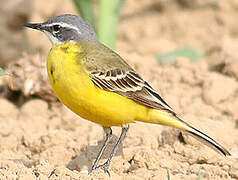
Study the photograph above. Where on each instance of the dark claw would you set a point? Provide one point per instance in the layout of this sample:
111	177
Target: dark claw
104	166
90	171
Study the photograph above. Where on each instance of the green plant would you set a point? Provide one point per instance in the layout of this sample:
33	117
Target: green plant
201	175
108	19
85	9
168	175
2	72
191	53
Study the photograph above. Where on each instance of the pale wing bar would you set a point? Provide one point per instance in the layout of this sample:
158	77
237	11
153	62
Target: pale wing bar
131	85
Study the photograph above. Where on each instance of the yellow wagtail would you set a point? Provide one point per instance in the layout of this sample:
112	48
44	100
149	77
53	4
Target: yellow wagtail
98	85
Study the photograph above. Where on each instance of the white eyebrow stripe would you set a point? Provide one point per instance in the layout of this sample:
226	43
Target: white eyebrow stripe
63	25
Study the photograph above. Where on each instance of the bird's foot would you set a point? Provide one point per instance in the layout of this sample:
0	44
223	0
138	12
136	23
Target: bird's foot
104	167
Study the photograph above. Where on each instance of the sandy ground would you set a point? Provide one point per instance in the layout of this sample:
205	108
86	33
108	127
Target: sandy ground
41	139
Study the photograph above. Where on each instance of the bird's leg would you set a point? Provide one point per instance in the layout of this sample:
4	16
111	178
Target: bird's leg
105	166
108	132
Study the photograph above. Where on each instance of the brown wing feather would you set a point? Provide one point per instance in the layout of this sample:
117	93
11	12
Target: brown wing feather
130	85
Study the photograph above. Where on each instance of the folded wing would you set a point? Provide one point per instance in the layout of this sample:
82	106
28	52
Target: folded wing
130	85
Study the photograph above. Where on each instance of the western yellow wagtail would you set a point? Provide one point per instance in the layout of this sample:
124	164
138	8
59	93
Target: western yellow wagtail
98	85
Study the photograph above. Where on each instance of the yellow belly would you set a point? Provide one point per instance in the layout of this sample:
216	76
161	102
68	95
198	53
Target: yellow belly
74	88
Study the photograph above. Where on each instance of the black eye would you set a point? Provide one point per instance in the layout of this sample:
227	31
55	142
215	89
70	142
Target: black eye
56	28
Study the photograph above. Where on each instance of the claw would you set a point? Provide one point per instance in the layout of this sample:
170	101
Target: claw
90	171
104	166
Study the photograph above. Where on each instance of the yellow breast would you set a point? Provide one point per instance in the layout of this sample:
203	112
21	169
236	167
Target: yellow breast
73	86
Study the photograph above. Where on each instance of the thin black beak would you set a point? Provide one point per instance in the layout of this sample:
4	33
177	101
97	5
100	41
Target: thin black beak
37	26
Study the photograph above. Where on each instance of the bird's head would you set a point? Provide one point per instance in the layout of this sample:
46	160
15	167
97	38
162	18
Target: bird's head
66	27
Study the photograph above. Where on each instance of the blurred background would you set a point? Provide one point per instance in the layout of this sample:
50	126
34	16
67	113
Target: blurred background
147	27
163	30
187	50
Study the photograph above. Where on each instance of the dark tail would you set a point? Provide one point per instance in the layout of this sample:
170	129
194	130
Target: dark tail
206	140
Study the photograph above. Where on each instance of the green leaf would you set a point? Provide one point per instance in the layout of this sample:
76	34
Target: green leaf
107	24
168	175
201	175
2	72
85	9
192	54
109	14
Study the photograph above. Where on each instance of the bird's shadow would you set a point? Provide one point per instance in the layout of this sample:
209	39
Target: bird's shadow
89	153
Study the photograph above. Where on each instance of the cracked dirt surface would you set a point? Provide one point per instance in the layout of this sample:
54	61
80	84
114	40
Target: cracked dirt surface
42	139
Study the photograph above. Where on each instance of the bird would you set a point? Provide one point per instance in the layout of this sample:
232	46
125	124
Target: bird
97	84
